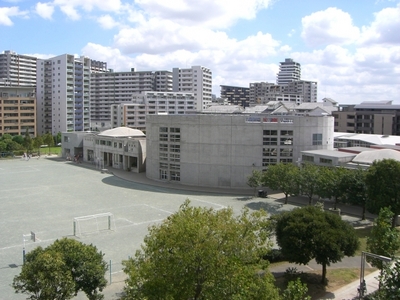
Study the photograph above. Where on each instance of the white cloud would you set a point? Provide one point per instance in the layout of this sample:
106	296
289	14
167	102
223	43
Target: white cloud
331	26
71	7
7	12
107	22
45	10
210	13
385	29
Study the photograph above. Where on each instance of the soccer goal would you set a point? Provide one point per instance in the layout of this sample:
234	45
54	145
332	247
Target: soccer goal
93	224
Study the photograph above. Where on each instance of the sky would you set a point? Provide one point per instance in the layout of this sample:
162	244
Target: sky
350	47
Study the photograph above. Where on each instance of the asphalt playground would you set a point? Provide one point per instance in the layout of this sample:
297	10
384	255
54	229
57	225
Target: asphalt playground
43	196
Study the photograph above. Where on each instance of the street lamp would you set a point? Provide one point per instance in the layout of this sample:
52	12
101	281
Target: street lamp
362	287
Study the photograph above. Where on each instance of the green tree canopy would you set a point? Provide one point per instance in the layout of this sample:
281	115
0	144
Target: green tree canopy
202	253
308	180
383	186
389	287
44	276
309	233
86	265
384	239
27	141
37	142
18	139
255	179
355	189
48	140
330	183
283	177
61	270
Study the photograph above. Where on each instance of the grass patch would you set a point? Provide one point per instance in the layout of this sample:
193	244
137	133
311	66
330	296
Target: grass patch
362	234
52	150
336	279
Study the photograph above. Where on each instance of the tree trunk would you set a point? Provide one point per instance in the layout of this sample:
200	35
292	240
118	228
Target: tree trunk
323	280
335	203
363	211
309	200
286	198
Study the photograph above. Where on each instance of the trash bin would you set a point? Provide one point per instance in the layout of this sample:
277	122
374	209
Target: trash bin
262	194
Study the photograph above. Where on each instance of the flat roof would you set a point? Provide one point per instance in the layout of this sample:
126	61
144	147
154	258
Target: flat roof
329	153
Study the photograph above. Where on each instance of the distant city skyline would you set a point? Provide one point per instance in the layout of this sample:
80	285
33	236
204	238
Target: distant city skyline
350	48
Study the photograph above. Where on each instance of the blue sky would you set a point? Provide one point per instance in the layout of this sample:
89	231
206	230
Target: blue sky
351	48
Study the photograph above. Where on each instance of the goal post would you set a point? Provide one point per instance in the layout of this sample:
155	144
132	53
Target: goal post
93	224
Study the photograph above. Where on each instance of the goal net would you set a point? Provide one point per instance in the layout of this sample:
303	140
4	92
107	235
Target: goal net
93	224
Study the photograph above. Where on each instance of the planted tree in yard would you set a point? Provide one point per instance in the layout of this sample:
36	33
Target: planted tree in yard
383	186
61	270
44	276
255	180
48	140
28	141
86	265
202	253
384	239
282	177
309	233
355	189
308	180
389	281
37	142
330	183
296	290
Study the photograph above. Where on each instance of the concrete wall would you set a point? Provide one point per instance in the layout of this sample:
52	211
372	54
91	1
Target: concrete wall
222	150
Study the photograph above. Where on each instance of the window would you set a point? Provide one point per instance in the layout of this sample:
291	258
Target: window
176	130
175	148
286	160
269	152
286	132
175	176
163	129
325	161
174	167
163	174
270	132
174	157
164	166
164	147
308	158
286	141
286	152
317	139
66	139
164	137
270	141
163	156
269	161
108	143
175	138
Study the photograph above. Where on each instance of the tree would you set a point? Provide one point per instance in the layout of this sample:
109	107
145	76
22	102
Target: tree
355	189
86	265
61	270
202	253
27	141
384	239
308	180
48	140
383	186
309	233
296	290
44	276
18	139
37	142
283	177
330	183
389	283
254	180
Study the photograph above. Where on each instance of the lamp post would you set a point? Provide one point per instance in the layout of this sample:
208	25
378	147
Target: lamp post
362	287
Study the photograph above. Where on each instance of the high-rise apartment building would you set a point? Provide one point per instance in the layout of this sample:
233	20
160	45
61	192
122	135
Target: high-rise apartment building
17	69
17	110
63	93
133	114
196	80
236	95
289	71
118	87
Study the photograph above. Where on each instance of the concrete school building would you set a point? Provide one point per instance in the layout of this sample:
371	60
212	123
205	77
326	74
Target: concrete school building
221	150
120	148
